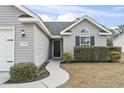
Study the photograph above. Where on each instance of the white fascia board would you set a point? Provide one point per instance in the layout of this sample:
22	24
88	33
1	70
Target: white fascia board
70	26
61	33
44	27
38	22
7	27
28	20
100	33
88	18
24	9
56	37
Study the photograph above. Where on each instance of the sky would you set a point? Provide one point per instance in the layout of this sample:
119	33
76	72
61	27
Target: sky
107	15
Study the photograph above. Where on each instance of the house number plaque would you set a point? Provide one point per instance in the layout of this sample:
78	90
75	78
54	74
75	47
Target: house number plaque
23	43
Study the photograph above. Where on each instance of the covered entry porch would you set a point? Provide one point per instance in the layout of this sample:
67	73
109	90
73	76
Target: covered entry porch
56	48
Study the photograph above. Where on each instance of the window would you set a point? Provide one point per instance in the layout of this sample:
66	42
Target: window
85	30
85	40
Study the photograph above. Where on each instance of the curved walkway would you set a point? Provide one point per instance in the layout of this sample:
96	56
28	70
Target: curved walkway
56	78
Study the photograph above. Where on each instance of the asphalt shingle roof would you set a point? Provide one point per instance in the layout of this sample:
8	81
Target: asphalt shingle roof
56	27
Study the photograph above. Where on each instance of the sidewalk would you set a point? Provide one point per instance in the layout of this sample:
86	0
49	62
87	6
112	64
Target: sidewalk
56	78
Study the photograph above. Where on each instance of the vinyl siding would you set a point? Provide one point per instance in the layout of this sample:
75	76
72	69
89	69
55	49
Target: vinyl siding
119	42
41	46
24	53
69	41
9	17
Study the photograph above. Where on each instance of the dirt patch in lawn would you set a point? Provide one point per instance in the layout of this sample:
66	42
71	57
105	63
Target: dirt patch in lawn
94	75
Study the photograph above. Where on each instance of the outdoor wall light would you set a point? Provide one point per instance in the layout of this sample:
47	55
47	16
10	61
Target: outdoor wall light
23	33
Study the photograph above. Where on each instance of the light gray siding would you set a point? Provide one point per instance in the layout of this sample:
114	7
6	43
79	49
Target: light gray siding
24	53
41	46
69	41
119	42
9	17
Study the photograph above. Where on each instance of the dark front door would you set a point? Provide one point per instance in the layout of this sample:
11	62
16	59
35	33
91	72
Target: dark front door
56	48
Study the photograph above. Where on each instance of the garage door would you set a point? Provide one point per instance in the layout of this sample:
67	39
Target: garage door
6	48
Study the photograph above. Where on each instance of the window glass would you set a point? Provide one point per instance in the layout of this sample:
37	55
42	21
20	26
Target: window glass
85	40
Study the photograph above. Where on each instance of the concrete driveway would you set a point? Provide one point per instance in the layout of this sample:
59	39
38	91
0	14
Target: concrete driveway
4	76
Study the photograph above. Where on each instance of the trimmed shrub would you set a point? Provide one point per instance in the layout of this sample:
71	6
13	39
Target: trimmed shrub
23	72
114	48
67	56
114	56
91	54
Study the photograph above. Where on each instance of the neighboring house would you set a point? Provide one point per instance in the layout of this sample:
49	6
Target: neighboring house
119	41
118	37
24	37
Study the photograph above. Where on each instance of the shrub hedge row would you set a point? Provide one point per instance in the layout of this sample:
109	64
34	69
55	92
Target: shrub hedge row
93	53
114	48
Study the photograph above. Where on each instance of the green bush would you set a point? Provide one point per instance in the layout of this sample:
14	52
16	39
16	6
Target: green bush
23	72
114	56
94	53
109	42
91	54
67	56
114	48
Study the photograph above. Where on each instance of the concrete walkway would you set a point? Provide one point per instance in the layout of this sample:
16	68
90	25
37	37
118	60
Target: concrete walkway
56	78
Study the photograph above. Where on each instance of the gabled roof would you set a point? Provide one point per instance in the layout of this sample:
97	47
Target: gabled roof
89	19
26	10
56	27
35	18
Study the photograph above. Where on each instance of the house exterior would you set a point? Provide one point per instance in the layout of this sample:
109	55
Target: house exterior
119	41
24	37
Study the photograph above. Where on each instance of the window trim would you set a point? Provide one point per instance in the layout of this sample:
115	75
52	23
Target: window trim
88	31
84	44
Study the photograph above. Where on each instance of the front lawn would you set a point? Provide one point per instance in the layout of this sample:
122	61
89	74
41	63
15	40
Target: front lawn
94	75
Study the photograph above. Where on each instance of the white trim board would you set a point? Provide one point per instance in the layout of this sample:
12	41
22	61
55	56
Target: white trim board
35	18
53	48
88	18
38	22
24	9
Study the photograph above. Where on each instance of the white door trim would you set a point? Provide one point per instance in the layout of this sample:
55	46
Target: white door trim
53	48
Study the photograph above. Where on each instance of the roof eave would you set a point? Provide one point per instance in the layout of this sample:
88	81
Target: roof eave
38	22
56	37
24	9
63	34
88	18
105	34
